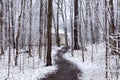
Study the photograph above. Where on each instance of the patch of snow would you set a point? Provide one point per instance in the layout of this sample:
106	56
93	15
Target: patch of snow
29	68
91	70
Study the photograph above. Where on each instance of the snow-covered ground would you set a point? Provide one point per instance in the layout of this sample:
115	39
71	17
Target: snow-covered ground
93	70
29	68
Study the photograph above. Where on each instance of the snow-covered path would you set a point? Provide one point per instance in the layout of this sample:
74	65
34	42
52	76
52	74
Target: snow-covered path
66	69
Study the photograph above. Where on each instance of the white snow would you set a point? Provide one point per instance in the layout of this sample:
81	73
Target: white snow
92	70
29	68
32	68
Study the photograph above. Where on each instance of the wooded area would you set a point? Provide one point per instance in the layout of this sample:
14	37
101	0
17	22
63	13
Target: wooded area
27	26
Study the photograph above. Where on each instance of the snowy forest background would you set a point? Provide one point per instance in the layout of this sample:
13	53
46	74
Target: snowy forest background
26	28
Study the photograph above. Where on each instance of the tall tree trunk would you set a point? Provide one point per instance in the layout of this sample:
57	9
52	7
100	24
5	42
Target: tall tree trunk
30	30
107	40
118	16
18	35
112	26
96	29
17	40
12	25
76	45
1	27
57	34
80	32
92	29
66	36
23	37
65	26
71	20
49	36
5	25
45	32
40	28
9	38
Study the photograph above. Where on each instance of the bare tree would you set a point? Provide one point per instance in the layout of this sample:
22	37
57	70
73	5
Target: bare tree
76	45
107	39
18	35
30	30
23	36
45	32
57	28
1	27
49	35
12	24
112	26
71	25
9	38
40	27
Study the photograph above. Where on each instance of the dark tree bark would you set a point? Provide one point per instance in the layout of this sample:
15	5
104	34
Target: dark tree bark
86	21
12	25
66	36
40	28
18	35
17	40
57	28
23	36
112	26
107	41
76	45
30	30
71	20
96	27
1	27
49	35
5	26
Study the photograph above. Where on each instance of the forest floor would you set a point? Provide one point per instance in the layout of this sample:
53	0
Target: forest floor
66	69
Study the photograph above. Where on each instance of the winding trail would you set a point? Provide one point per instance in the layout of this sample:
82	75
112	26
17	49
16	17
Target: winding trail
66	69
